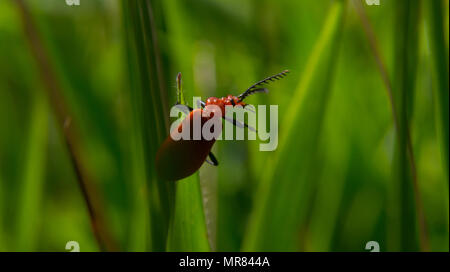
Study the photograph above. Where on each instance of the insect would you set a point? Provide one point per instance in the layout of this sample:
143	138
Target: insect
176	160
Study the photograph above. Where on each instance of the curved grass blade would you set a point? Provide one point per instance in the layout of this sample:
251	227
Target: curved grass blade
282	201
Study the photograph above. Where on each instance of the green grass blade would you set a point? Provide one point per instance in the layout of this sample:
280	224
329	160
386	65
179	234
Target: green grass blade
140	229
439	58
406	195
405	204
29	204
188	230
282	200
149	103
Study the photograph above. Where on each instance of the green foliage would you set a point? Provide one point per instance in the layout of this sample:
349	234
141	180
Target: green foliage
353	164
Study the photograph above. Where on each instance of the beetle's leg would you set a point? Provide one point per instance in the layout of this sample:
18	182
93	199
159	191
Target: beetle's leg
201	104
212	159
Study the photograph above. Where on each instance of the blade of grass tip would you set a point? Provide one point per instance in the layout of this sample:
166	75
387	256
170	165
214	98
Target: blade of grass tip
281	202
188	230
149	101
33	177
406	59
439	59
57	103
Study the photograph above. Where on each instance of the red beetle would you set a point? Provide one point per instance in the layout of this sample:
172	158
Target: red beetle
176	160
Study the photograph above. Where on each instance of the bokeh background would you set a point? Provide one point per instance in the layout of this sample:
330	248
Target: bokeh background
363	125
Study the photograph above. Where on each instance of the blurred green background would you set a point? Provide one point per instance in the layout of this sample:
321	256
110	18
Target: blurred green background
84	98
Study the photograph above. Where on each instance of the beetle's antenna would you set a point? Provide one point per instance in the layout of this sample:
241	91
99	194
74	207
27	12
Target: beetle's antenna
255	87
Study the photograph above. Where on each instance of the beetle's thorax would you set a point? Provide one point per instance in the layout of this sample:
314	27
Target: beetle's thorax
229	100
